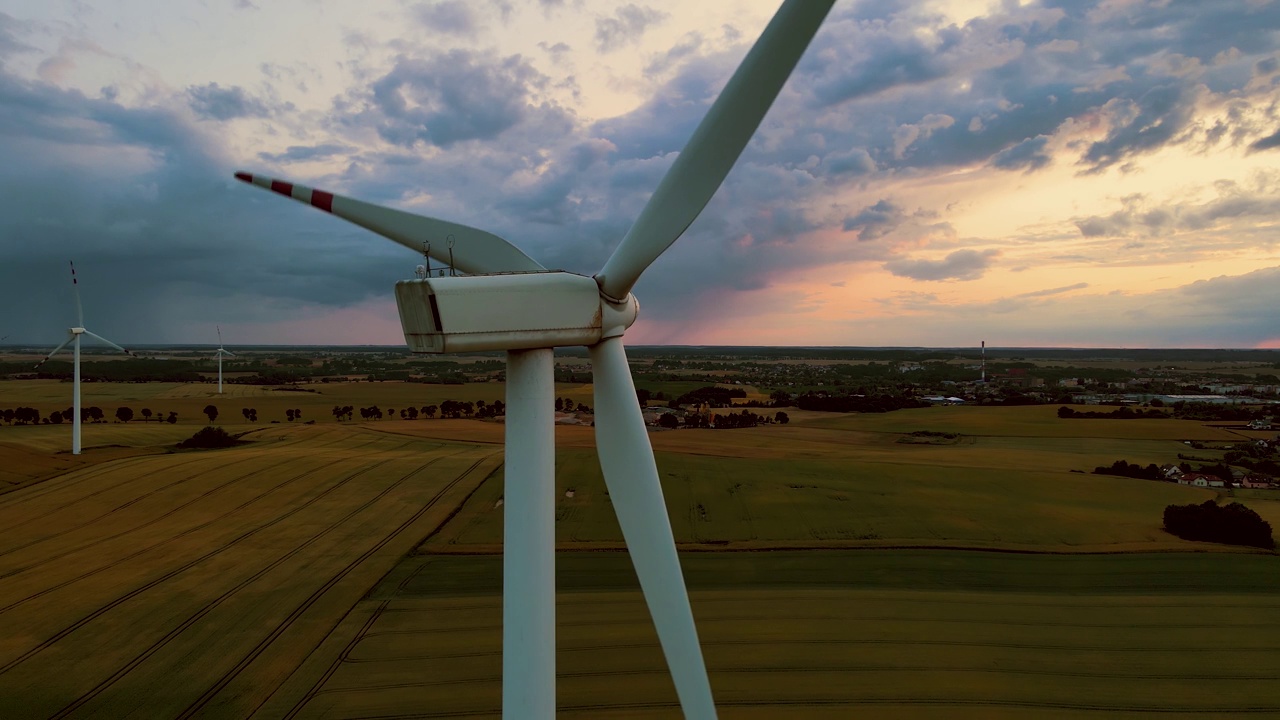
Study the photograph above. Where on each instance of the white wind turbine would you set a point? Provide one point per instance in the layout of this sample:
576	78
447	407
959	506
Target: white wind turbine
507	301
74	337
220	353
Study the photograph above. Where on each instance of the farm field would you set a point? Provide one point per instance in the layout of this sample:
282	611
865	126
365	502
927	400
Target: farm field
897	634
350	570
200	581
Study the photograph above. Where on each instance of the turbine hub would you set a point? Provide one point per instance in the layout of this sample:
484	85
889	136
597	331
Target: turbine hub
617	316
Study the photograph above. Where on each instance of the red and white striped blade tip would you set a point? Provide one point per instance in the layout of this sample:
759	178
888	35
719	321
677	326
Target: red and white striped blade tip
315	198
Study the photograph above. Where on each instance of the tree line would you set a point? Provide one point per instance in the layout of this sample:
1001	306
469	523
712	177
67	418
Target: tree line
1123	413
92	414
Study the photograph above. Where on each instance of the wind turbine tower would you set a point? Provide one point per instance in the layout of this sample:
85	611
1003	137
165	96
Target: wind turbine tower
220	353
984	361
504	300
74	338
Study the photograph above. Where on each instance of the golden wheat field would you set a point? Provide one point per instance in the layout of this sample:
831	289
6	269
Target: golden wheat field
352	570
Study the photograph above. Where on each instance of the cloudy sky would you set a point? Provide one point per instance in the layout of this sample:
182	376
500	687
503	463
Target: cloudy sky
1052	172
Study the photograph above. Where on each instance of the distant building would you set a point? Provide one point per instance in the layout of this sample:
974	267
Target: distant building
1201	480
1212	399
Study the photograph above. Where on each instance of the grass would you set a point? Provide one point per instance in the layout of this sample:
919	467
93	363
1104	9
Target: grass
1027	421
755	503
817	635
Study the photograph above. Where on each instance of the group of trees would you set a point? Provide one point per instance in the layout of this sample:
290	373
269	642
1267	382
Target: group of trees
875	403
446	409
1123	413
743	419
1125	469
711	396
1233	524
1209	411
1264	459
209	437
568	405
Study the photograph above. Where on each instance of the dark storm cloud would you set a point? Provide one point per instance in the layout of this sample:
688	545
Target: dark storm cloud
853	162
162	237
449	98
875	221
1023	73
959	265
454	17
1027	155
214	102
1266	143
1156	117
880	59
627	25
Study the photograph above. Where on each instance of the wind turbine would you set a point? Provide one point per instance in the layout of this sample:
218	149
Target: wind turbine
221	351
74	337
507	301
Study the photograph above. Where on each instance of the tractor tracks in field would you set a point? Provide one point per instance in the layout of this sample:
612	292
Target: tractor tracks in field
141	551
157	519
382	606
152	493
284	625
185	566
104	469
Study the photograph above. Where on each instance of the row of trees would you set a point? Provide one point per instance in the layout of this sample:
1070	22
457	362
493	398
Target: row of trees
446	409
875	403
1123	413
743	419
1125	469
95	414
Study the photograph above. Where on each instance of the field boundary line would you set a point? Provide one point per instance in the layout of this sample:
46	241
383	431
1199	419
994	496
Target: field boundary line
345	652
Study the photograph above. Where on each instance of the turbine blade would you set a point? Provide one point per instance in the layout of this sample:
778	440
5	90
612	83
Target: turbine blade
474	251
715	146
56	350
219	336
632	478
75	290
108	342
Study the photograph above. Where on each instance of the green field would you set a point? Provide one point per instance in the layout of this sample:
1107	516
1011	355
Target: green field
353	570
936	634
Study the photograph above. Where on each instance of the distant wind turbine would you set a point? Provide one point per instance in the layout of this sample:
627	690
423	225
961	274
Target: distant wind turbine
507	301
74	337
221	352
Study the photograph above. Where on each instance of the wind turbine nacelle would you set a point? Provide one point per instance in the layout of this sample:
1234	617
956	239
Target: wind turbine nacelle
517	311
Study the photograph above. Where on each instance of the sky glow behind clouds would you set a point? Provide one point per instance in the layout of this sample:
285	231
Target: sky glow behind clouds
1029	173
